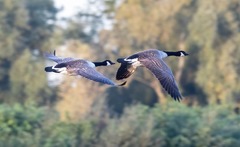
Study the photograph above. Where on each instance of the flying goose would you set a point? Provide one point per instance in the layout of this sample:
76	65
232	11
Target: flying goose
79	67
152	59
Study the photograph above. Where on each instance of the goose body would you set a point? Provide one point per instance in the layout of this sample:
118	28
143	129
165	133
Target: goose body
79	67
152	59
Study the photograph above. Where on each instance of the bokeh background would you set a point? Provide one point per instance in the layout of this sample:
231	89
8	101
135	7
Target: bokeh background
51	110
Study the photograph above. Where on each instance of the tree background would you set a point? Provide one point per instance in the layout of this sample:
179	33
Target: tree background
40	109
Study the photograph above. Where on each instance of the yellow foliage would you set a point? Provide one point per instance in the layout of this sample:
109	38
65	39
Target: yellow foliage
148	20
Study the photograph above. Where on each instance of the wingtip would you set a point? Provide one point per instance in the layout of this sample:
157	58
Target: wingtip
123	72
119	78
47	54
122	84
178	98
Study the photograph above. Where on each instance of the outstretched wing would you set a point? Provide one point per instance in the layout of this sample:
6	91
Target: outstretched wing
91	74
57	59
164	74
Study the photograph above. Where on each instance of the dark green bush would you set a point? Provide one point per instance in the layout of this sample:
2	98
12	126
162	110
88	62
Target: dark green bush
19	125
173	124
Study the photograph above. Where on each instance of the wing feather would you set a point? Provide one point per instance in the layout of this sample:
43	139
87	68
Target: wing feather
164	74
125	71
57	59
91	74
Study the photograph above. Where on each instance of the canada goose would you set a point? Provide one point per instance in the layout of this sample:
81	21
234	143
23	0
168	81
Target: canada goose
152	59
79	67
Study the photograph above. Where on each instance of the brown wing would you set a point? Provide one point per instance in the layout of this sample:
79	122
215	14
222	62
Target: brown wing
57	59
91	74
125	71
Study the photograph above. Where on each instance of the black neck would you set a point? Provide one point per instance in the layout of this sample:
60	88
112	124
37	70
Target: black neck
99	64
172	53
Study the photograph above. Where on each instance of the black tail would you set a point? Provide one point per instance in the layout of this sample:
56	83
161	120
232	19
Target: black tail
49	69
120	60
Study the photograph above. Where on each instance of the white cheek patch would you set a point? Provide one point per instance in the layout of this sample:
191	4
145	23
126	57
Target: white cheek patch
131	60
182	54
108	63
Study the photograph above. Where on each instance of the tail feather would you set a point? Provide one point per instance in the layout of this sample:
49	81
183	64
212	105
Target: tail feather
49	69
120	60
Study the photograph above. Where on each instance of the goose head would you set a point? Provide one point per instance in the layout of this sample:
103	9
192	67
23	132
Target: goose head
107	62
182	53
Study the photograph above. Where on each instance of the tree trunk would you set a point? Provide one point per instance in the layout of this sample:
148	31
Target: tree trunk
181	62
157	88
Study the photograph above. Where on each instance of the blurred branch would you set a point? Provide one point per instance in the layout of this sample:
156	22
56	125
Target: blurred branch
155	85
181	63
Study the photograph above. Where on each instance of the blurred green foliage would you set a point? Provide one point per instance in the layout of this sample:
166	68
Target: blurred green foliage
170	125
26	28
